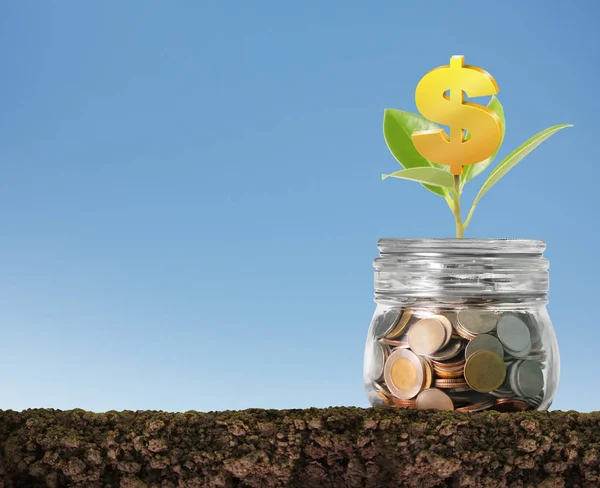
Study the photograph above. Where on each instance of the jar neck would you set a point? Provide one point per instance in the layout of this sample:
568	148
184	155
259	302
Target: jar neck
451	270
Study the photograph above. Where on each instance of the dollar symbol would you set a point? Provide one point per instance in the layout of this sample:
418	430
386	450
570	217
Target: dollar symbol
433	103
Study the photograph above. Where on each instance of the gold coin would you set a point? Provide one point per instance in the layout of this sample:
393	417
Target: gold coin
448	365
434	398
449	374
382	392
449	370
404	373
400	325
485	371
428	373
426	336
386	399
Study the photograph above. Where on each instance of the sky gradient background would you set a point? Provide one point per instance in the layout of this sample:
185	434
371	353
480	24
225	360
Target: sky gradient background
191	192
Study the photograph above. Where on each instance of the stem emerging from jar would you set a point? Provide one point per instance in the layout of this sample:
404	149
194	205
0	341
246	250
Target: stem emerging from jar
460	227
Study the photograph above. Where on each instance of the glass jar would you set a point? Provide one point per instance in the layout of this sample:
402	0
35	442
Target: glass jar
461	324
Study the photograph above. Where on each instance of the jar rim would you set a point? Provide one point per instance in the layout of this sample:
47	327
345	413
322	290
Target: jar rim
460	246
460	267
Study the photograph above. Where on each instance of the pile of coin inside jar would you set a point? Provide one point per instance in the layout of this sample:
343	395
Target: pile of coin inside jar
468	359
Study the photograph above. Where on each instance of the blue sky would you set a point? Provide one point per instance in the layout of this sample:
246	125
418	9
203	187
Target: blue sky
191	192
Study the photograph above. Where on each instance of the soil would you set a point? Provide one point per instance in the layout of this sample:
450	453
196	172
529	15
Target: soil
315	448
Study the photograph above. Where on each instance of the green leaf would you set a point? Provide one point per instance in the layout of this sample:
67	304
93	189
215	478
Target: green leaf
470	171
430	176
398	127
512	159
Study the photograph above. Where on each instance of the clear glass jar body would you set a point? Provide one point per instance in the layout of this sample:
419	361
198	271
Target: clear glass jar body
461	324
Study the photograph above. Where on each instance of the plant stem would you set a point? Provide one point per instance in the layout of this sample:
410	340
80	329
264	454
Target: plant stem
460	228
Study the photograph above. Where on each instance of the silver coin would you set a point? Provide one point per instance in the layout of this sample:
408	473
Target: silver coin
519	354
537	401
529	379
451	316
379	387
532	324
512	375
386	321
513	334
484	341
453	349
540	356
505	390
477	321
380	354
534	328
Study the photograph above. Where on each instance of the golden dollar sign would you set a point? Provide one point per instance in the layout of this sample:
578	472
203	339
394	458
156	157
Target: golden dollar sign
433	103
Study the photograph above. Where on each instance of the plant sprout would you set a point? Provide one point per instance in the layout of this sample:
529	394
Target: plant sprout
398	127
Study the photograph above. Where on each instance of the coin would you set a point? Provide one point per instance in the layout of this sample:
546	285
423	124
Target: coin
537	355
513	333
426	336
537	401
448	370
382	393
470	397
428	376
446	365
386	399
451	350
441	369
485	371
400	325
451	314
449	374
457	389
384	322
477	407
381	353
394	342
404	374
502	393
476	321
528	379
533	325
447	326
397	402
523	353
484	342
510	405
463	333
504	390
452	383
434	398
